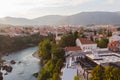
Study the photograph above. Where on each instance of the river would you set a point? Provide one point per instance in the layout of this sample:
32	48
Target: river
26	65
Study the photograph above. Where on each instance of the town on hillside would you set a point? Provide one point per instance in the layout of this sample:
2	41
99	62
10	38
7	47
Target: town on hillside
86	48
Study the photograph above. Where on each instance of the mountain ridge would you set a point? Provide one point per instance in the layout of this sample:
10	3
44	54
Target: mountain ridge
83	18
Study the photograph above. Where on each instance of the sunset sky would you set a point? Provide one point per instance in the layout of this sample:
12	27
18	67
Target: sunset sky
36	8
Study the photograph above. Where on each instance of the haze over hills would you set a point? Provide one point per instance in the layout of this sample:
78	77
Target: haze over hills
83	18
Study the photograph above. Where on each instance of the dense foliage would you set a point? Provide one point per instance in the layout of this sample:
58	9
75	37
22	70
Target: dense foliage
10	44
52	58
109	73
68	39
77	78
97	73
103	43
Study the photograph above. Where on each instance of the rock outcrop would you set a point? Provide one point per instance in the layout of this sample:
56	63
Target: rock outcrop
1	77
12	62
7	68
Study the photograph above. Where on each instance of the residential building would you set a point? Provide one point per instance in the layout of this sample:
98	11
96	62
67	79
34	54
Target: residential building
85	44
114	46
114	38
114	41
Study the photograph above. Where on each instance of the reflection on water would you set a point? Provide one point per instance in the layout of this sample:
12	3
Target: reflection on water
26	65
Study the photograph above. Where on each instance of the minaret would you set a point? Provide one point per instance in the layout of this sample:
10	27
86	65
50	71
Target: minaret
56	35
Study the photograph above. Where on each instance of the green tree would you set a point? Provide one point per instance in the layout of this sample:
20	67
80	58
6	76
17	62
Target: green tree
109	33
116	74
52	57
77	78
103	43
67	40
91	38
57	52
43	75
95	32
50	65
76	35
97	73
56	76
58	66
108	73
112	73
45	50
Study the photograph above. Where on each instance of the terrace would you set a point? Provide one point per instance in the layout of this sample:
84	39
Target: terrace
104	56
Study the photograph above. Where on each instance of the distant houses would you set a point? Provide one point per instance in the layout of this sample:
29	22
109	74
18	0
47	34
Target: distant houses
114	42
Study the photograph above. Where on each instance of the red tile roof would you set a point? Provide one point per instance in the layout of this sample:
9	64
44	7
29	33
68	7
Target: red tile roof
112	45
75	48
86	41
115	42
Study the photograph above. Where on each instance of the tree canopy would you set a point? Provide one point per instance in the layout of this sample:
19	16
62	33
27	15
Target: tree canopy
103	43
52	57
77	78
67	40
97	73
112	73
109	73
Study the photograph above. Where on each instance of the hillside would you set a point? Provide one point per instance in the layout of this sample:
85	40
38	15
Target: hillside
83	18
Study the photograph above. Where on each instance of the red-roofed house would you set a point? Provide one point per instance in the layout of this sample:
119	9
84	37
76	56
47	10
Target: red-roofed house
75	48
85	44
114	46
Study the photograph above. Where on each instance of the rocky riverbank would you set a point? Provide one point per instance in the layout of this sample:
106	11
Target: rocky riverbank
21	65
6	68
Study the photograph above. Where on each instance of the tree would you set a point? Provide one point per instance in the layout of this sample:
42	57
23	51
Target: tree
97	73
95	32
109	73
52	57
116	74
43	75
67	40
58	66
76	35
45	50
109	33
57	52
50	65
77	78
91	38
112	73
118	29
103	43
56	76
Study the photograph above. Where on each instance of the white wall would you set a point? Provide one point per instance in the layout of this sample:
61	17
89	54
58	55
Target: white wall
114	38
89	47
86	47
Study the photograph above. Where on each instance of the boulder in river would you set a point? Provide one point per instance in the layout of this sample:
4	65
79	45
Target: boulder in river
19	62
7	68
12	62
1	77
35	74
6	73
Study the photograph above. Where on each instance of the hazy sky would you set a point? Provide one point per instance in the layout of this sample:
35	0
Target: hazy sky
37	8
